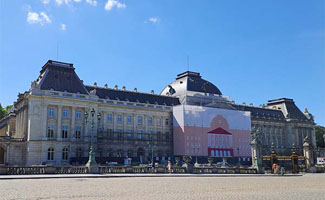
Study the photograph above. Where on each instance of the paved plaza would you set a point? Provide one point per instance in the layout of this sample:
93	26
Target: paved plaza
309	186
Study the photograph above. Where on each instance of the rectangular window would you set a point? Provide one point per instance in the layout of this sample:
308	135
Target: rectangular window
119	118
51	112
167	121
139	135
79	152
159	122
78	132
129	119
110	133
129	133
65	154
150	135
120	134
50	154
78	114
64	132
109	117
167	136
65	113
50	131
150	120
158	135
139	120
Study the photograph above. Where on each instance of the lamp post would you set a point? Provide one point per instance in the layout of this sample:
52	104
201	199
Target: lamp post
152	162
91	164
196	151
324	139
238	156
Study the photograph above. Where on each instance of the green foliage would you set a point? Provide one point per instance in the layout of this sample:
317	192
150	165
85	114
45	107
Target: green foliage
4	111
319	132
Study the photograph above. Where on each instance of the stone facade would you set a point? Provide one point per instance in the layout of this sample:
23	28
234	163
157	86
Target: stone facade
48	124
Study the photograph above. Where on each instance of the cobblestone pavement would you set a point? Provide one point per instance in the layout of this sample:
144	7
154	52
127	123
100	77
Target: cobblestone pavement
309	186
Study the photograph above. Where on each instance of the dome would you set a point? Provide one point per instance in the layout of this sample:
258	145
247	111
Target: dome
190	81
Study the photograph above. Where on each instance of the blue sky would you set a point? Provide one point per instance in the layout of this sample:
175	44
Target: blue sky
252	50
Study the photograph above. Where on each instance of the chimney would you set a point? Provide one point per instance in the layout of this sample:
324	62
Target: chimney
123	88
106	86
152	92
251	105
95	84
135	90
115	87
244	104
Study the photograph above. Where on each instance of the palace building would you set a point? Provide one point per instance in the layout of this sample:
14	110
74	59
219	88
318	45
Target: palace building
190	116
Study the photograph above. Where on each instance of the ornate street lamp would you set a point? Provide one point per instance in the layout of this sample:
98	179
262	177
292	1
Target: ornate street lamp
196	151
91	164
152	146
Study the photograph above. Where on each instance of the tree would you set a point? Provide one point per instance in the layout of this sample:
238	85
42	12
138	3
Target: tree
4	111
319	132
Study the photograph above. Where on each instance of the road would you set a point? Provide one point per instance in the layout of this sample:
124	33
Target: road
309	186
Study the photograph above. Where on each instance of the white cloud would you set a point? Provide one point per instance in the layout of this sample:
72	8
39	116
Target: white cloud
45	18
59	2
63	27
77	1
45	1
110	4
67	2
35	18
153	19
92	2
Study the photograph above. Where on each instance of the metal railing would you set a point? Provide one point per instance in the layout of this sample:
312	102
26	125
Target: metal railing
16	170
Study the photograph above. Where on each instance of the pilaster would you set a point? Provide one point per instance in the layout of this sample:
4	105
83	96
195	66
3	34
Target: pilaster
73	123
44	126
58	134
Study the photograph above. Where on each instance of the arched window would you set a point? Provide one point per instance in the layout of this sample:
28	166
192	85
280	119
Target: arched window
50	153
65	153
212	152
217	153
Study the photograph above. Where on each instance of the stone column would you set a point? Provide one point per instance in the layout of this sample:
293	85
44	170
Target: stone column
135	121
145	123
308	154
104	118
113	121
59	128
44	128
73	123
154	120
297	137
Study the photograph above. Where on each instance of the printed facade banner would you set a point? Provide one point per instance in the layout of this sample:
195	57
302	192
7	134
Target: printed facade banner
215	132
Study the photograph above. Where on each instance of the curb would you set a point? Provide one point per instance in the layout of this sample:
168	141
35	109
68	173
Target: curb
13	177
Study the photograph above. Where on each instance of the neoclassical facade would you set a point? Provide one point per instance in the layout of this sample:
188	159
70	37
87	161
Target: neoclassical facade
48	126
